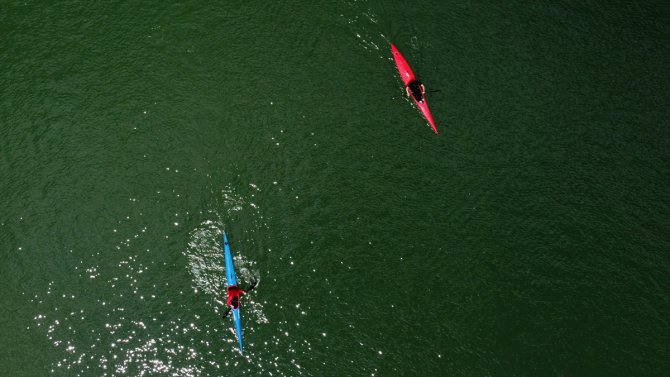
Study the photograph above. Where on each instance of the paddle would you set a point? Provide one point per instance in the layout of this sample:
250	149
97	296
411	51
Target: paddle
252	286
430	91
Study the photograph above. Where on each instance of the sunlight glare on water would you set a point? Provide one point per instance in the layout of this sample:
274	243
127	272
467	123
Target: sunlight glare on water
528	238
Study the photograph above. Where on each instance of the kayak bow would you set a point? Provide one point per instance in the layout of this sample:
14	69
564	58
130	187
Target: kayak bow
231	280
408	76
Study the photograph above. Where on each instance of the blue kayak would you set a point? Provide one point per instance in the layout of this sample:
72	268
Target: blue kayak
231	280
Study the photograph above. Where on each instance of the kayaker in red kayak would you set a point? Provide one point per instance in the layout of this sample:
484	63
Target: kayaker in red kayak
416	89
234	293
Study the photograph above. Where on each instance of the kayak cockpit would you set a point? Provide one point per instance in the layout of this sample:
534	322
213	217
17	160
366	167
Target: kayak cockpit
416	90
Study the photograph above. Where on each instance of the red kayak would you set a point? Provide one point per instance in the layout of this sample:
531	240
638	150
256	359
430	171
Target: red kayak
408	78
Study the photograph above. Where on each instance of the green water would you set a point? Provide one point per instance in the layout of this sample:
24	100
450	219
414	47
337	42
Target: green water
529	238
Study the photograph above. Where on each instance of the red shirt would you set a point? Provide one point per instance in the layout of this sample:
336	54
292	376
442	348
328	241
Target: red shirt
234	292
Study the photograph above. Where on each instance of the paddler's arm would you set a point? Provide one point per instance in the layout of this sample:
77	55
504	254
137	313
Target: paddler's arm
423	89
407	90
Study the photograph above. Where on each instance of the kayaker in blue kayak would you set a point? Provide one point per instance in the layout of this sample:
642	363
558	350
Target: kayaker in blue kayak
416	89
234	293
